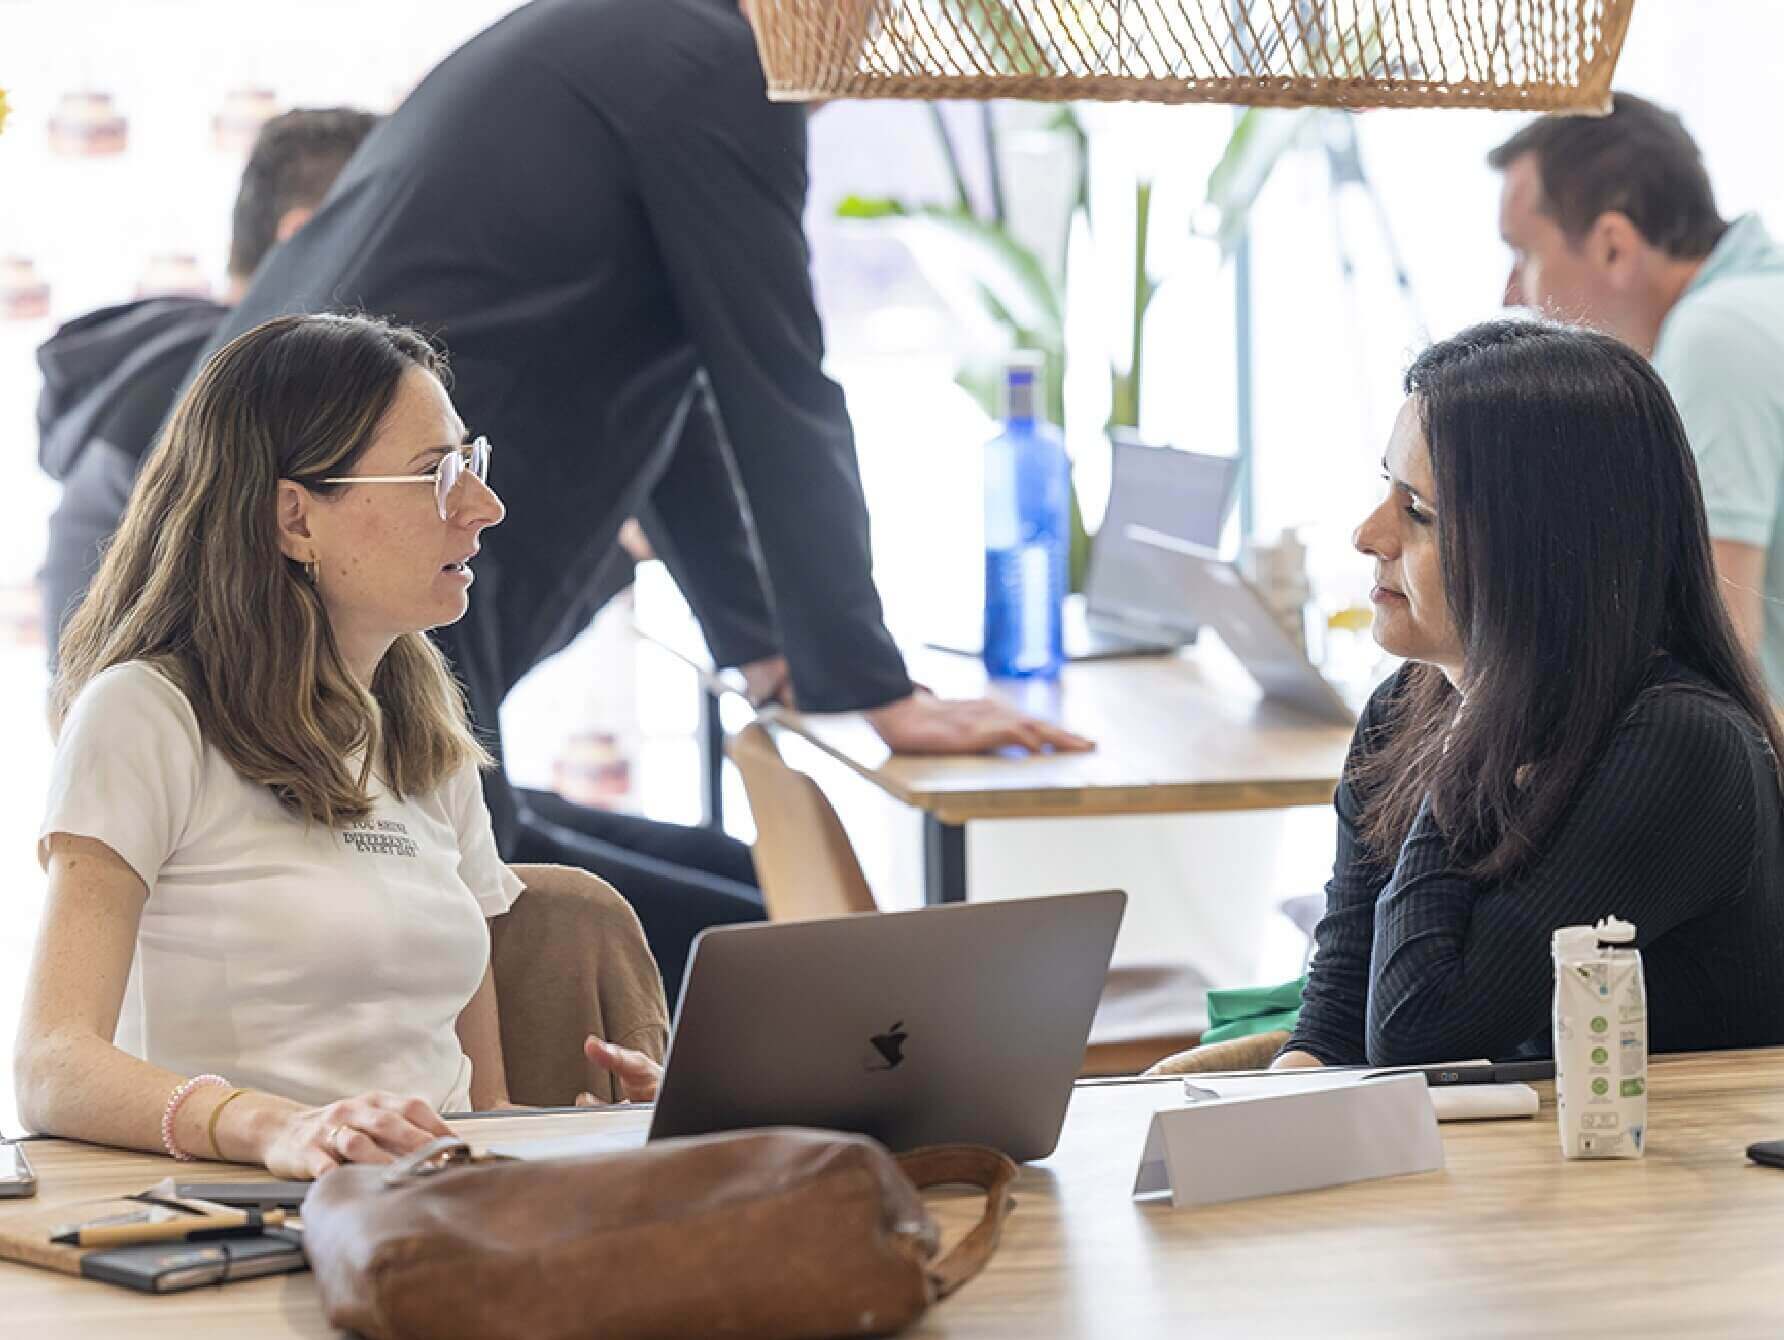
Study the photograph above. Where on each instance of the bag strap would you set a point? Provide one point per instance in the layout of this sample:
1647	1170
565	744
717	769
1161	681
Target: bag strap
969	1165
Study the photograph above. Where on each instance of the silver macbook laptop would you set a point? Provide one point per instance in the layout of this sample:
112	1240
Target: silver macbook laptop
959	1023
1131	605
1224	601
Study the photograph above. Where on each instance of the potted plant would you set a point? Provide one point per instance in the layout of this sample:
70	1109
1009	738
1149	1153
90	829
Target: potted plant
990	263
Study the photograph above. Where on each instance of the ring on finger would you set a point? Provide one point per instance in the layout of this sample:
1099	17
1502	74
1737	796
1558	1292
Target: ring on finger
334	1141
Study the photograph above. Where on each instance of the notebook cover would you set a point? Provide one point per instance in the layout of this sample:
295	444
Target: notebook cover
25	1237
167	1267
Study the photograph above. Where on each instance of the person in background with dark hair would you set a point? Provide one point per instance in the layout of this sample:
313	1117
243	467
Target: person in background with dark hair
110	377
1577	734
1611	222
597	210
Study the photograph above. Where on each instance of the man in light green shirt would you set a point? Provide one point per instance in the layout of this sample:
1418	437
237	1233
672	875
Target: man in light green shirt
1612	223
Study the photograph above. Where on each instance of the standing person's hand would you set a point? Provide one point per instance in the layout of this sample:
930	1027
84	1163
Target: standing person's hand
372	1128
925	724
638	1075
768	681
634	541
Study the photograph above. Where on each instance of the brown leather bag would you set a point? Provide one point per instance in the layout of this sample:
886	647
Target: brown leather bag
782	1232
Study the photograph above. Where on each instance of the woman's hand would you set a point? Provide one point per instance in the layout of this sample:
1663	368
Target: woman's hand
637	1074
372	1128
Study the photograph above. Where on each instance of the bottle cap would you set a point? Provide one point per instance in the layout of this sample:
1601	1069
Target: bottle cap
1023	371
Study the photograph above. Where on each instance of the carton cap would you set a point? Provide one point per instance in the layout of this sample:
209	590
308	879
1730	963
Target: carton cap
1614	931
1574	942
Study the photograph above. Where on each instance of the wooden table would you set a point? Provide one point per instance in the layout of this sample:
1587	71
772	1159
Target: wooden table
1175	734
1508	1240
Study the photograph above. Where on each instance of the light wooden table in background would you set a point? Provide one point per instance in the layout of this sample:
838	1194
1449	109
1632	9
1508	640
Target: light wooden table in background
1509	1239
1175	734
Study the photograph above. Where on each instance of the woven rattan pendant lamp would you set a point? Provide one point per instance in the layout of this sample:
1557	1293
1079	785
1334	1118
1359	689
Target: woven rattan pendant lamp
1535	55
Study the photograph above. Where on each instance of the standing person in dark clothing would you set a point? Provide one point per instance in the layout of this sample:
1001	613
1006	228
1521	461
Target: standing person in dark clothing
1578	734
109	377
597	211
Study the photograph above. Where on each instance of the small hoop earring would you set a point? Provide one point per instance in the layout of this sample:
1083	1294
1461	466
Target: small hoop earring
312	571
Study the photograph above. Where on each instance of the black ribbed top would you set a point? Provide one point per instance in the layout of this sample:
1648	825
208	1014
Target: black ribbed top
1678	828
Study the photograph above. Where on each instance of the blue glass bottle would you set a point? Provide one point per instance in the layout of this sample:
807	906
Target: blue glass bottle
1027	532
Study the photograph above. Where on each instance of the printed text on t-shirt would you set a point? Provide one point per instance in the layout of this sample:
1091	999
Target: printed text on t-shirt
380	837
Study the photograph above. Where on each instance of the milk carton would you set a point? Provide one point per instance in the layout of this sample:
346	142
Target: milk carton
1601	1042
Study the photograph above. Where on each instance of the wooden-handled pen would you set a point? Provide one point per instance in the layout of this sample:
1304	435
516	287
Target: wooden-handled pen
236	1223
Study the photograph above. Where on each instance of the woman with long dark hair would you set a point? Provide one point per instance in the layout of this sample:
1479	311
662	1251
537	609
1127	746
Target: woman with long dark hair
1577	732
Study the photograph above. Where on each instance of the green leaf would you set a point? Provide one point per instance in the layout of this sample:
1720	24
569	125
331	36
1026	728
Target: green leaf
1262	135
1259	140
864	207
1065	117
960	254
1002	37
982	379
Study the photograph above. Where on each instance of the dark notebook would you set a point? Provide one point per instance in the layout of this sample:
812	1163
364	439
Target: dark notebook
167	1267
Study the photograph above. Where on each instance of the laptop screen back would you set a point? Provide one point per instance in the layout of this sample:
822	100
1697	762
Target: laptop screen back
1180	493
962	1023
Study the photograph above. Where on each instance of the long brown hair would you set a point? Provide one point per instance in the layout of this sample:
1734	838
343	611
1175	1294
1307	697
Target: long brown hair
1574	552
196	585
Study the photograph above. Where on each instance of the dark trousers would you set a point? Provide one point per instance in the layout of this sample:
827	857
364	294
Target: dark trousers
680	880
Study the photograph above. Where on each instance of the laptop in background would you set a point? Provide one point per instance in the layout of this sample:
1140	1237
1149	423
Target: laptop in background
966	1022
1224	601
1131	596
1130	606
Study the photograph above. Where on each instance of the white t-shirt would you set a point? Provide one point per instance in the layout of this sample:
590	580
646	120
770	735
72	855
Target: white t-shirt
288	957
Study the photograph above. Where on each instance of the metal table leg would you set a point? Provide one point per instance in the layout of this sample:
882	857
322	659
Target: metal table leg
944	861
712	763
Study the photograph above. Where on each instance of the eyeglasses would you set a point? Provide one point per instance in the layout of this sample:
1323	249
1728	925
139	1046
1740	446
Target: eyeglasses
445	477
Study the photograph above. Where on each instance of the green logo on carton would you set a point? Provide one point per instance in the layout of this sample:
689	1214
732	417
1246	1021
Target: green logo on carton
1599	1023
1632	1088
1601	1087
1600	1056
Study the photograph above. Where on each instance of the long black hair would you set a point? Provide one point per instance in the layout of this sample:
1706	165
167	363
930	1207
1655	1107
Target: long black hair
1573	549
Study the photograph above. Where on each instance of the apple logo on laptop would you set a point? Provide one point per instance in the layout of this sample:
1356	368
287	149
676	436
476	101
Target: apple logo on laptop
888	1048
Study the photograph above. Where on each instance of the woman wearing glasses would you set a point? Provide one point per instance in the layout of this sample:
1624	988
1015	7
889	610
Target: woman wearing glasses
268	853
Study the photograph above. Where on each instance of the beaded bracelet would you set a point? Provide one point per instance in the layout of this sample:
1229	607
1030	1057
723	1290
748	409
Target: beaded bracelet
174	1102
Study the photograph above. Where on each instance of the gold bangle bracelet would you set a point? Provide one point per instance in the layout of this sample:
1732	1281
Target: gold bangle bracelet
216	1112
